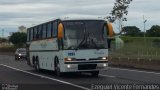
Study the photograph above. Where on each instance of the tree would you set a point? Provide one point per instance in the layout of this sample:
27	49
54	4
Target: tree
120	12
154	31
132	31
22	29
18	38
2	40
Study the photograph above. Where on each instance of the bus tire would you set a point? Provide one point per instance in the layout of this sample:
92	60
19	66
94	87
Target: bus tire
57	68
33	62
37	68
95	73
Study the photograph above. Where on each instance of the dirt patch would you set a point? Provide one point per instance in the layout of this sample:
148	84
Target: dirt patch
7	53
7	50
150	64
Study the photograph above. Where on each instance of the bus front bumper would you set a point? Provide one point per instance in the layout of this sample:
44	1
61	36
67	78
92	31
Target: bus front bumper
72	66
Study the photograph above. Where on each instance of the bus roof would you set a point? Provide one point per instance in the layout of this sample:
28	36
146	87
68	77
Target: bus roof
74	18
81	18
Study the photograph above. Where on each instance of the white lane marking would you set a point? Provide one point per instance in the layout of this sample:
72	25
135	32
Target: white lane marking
53	79
107	76
135	70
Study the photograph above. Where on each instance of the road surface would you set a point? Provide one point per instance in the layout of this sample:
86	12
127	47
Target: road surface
17	74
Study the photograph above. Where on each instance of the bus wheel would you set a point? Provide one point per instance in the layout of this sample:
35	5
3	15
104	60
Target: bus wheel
36	65
95	73
57	68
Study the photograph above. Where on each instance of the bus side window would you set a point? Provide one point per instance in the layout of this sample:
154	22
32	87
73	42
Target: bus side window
39	32
31	34
49	30
44	31
105	36
35	33
28	34
54	29
105	31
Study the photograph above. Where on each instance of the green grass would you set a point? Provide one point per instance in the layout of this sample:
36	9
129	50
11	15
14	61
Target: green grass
7	48
138	47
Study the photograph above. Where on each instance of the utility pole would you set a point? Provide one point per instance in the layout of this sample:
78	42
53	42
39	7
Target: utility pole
144	23
2	33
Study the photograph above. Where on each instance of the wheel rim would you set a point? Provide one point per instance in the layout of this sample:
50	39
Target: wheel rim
36	65
57	68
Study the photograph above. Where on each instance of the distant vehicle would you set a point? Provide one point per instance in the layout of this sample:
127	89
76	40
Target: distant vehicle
20	53
69	45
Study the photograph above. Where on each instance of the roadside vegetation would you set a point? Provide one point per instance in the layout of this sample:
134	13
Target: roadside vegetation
138	44
18	39
8	46
138	47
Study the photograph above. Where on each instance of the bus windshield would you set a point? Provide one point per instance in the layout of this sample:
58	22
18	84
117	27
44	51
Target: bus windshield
86	34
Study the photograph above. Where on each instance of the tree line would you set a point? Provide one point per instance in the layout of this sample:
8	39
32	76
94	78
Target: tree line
3	40
18	39
134	31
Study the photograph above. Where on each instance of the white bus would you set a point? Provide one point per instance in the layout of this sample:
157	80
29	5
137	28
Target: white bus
69	45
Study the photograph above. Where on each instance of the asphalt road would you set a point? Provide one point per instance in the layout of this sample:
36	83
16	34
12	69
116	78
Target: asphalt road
17	74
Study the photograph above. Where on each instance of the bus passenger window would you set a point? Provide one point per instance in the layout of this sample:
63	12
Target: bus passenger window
39	32
35	33
44	31
54	29
28	34
105	31
49	30
31	34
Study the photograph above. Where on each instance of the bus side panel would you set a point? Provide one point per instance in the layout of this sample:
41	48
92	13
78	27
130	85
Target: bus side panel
45	51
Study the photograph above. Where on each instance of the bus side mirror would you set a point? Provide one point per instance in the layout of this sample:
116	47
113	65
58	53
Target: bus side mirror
60	31
110	31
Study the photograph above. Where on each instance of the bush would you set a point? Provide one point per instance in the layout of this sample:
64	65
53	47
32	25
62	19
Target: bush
7	49
156	43
18	39
127	39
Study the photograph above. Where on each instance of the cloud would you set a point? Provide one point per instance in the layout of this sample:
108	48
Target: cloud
27	12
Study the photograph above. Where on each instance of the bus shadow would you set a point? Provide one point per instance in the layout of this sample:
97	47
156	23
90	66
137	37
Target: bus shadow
64	75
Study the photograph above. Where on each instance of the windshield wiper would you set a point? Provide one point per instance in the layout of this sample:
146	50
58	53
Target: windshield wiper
95	44
86	39
91	39
81	43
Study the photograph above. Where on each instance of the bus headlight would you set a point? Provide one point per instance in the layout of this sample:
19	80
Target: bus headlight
104	65
104	58
68	66
69	59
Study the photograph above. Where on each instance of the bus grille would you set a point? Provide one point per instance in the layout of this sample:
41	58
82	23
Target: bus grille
87	66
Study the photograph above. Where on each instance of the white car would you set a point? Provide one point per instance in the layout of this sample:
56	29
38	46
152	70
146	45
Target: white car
20	53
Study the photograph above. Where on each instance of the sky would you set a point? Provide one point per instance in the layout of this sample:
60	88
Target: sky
14	13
